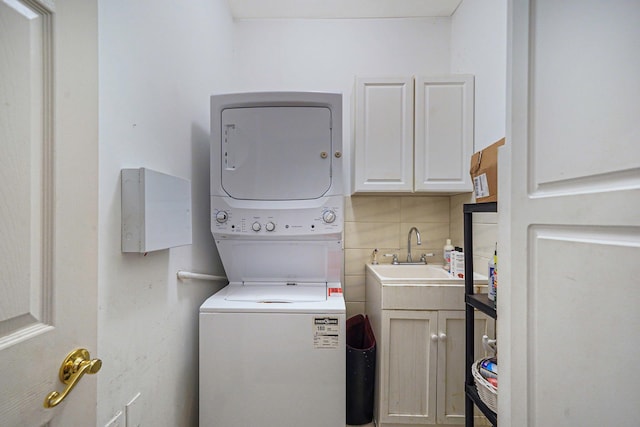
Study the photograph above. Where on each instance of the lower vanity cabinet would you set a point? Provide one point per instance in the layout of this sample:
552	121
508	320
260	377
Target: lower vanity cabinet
420	333
421	366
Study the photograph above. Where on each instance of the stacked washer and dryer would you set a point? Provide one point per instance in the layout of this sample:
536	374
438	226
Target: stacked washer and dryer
272	342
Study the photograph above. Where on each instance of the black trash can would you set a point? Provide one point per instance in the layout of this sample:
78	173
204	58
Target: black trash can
361	370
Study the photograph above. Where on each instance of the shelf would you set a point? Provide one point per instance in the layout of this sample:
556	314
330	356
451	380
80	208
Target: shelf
472	393
482	303
480	207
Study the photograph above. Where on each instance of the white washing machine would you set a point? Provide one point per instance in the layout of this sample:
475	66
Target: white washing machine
272	342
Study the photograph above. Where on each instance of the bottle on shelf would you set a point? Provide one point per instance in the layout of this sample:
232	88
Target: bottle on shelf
457	263
493	276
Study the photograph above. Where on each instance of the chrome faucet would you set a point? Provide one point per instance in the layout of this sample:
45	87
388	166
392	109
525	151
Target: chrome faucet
409	242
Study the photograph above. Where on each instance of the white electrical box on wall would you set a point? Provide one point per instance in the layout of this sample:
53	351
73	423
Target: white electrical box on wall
156	210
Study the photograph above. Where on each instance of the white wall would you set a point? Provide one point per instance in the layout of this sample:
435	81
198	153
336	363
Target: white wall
326	55
159	62
479	47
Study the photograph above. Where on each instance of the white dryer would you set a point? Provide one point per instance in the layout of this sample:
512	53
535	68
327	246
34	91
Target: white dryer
272	342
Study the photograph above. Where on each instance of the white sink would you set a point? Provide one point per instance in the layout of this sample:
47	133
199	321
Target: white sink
387	272
418	287
390	274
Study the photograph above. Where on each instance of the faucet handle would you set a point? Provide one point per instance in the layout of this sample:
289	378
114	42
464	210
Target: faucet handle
423	257
395	258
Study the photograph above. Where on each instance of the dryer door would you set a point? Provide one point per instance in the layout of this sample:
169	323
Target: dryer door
276	153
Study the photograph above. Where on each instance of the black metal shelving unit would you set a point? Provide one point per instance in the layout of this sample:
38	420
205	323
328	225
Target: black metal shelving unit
472	302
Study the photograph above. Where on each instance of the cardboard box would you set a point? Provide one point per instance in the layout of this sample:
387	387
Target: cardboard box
484	173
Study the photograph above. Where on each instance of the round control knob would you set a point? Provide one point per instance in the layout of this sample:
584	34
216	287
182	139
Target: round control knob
222	217
328	216
256	226
270	226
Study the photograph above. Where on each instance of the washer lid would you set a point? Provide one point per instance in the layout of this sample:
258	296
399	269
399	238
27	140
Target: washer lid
278	293
276	153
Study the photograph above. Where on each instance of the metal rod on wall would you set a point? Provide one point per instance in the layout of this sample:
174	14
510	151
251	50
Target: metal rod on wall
182	275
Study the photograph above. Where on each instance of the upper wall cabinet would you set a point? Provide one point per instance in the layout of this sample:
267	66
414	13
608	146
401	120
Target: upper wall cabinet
413	135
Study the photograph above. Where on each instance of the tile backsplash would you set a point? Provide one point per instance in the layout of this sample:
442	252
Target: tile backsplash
383	222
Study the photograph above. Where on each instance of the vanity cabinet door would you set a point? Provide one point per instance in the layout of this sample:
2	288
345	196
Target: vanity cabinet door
451	355
408	354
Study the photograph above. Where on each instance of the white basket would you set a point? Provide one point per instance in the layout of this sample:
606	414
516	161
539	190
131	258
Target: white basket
487	392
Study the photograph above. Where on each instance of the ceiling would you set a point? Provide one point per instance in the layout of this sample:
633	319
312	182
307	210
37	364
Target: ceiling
271	9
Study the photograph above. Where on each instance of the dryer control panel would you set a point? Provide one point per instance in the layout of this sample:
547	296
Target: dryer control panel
315	219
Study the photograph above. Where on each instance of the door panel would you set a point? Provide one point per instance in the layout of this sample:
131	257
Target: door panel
25	185
594	313
569	196
26	322
587	80
48	206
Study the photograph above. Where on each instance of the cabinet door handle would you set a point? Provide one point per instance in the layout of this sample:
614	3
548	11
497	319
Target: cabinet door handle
489	345
434	338
443	336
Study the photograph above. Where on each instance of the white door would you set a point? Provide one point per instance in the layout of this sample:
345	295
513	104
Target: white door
569	221
48	206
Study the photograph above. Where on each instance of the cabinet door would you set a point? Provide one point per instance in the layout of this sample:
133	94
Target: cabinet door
384	135
443	132
408	354
451	358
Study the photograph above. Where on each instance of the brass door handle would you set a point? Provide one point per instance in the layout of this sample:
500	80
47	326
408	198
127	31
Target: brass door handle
75	365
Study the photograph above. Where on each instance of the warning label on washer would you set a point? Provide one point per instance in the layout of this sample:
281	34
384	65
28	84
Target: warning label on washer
326	331
334	292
